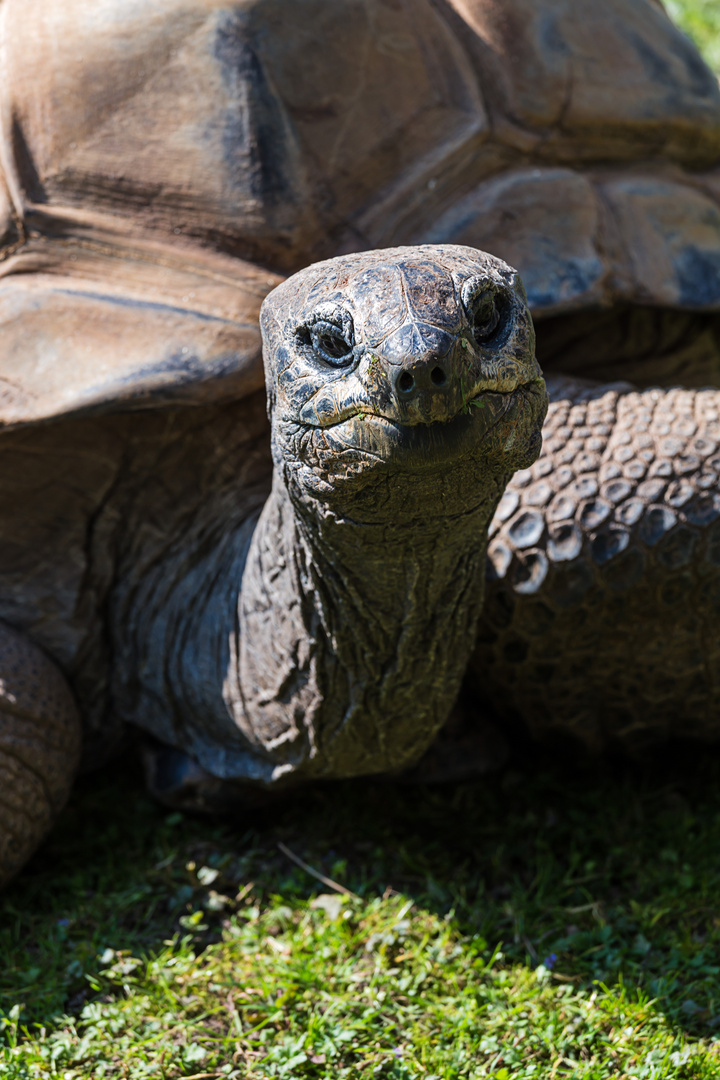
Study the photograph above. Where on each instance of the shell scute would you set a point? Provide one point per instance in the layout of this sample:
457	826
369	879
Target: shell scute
283	131
544	69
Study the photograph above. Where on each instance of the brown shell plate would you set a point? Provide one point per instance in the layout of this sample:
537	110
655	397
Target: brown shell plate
155	153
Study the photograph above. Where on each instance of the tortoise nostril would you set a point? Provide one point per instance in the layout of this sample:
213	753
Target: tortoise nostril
406	382
438	376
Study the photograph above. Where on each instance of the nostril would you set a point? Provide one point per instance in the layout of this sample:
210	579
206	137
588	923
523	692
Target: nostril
438	376
406	382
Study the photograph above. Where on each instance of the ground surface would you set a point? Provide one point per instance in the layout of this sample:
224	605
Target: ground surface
555	921
551	922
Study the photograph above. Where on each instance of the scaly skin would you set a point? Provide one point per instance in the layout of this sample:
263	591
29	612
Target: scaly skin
603	596
39	747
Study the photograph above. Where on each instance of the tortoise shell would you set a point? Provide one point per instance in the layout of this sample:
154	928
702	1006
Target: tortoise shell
163	161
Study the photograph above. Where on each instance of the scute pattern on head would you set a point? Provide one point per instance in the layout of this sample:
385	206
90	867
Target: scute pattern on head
426	277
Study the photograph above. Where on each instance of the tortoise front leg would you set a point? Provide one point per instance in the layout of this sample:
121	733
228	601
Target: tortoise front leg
39	747
602	610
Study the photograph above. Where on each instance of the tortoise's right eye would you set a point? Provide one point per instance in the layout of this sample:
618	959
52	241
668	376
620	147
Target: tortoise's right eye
332	342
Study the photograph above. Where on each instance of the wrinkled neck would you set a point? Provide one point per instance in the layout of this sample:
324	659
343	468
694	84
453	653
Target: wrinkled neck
353	635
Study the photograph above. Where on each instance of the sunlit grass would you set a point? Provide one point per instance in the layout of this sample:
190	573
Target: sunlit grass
551	922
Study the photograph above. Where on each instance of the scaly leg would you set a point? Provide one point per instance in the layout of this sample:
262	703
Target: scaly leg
39	747
602	610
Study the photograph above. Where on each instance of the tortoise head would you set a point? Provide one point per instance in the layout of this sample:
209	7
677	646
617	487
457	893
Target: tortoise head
401	361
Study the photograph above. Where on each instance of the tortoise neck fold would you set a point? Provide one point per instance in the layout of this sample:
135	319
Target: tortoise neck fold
352	638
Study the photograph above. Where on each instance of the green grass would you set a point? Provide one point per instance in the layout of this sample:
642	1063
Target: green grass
700	19
553	921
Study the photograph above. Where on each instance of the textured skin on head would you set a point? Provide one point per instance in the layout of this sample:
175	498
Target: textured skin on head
603	594
394	302
39	747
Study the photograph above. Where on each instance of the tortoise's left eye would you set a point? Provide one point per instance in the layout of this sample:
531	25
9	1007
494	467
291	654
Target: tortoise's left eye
485	316
488	311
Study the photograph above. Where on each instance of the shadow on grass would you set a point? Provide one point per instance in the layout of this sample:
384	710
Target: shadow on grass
603	872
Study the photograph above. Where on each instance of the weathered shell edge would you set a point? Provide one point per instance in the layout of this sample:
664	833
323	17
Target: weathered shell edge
593	239
90	326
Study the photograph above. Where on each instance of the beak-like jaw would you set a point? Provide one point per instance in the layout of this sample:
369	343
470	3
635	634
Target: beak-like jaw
423	375
371	468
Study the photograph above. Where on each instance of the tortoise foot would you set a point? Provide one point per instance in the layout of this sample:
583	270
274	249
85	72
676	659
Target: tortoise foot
39	747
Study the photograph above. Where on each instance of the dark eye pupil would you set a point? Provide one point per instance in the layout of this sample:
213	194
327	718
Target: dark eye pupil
486	317
334	346
331	342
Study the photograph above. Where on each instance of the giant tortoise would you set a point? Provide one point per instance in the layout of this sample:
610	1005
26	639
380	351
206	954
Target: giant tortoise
271	610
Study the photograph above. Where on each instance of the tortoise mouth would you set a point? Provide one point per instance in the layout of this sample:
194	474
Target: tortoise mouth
491	419
475	401
428	416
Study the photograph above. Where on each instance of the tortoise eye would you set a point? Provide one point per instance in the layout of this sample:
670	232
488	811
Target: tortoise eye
487	310
485	316
332	343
